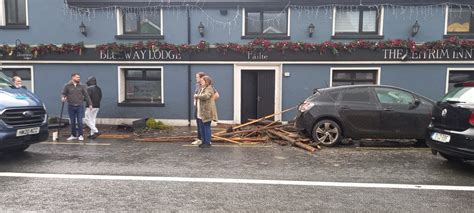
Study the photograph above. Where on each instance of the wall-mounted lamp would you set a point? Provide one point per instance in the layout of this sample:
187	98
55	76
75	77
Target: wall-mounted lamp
201	29
310	30
415	28
83	29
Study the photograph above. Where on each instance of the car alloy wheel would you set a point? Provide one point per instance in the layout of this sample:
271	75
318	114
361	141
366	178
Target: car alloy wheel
327	132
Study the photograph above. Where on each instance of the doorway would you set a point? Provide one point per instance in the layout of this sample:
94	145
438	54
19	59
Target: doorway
257	94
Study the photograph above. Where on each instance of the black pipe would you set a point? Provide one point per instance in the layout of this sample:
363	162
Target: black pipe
189	67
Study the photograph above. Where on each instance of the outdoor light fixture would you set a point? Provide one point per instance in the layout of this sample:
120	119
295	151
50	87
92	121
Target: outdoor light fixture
310	30
83	29
415	29
201	29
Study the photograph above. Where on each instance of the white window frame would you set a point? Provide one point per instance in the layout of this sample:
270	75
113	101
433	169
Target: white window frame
3	19
355	69
288	20
380	21
32	73
446	17
119	15
121	81
456	70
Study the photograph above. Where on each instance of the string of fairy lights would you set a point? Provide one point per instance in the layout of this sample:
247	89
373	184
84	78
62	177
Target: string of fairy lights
154	7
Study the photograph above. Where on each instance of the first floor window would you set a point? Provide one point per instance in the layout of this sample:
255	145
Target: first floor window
353	77
15	12
460	20
143	85
266	22
23	73
458	77
358	21
141	22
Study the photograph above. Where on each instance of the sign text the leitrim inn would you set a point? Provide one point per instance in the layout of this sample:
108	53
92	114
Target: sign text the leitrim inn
429	54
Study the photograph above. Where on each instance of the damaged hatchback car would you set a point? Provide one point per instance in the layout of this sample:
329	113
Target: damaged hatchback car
364	111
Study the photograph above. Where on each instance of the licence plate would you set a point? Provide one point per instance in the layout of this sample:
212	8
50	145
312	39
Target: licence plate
29	131
443	138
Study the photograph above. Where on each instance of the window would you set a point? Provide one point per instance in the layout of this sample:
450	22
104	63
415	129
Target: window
458	77
23	73
142	85
393	96
14	13
266	23
362	20
353	77
460	20
140	24
356	95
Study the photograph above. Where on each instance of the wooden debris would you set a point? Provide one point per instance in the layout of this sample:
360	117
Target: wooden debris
254	132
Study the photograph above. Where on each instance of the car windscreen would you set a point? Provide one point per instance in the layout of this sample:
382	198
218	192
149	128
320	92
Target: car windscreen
460	95
4	81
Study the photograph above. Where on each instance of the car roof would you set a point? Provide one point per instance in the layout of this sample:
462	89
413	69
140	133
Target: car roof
328	89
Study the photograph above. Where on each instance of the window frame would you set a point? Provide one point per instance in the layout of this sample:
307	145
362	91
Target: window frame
377	34
123	77
4	14
469	34
276	36
450	70
376	79
122	35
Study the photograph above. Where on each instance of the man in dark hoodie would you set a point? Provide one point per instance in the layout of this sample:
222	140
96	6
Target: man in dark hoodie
75	93
96	96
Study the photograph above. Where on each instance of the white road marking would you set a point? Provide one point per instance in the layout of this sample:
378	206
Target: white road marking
77	143
240	181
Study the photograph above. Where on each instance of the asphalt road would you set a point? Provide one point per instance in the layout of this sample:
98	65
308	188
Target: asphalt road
112	175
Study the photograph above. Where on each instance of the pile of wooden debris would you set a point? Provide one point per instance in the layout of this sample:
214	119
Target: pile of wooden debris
255	131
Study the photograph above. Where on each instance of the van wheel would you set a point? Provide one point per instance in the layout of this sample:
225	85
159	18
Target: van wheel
451	158
18	149
327	133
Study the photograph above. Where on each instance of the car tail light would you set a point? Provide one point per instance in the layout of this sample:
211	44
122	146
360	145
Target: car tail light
305	106
471	119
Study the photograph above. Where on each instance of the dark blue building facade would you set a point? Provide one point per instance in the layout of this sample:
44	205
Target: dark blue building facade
145	54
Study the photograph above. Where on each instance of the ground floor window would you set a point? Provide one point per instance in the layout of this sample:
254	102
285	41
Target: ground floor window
23	73
457	76
342	77
141	85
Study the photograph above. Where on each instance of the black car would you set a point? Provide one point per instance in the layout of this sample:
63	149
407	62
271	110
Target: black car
451	132
364	111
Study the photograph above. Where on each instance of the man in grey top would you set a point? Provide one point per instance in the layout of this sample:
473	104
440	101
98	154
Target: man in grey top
75	93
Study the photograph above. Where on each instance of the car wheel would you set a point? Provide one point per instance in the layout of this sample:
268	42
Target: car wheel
17	149
327	133
451	158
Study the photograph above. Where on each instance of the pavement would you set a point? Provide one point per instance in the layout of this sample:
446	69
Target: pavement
122	175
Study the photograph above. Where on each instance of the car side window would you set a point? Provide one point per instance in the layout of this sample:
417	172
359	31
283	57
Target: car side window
394	96
356	95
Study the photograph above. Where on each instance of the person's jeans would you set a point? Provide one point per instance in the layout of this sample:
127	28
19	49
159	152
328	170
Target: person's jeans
76	113
205	130
91	116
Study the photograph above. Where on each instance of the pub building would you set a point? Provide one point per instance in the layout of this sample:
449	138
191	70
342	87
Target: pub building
264	55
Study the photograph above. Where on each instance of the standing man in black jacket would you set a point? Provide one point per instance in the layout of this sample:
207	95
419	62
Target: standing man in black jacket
75	94
96	96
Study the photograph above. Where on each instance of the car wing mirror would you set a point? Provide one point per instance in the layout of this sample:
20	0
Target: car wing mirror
416	103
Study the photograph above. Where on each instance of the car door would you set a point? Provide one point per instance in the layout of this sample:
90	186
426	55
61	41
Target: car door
399	115
359	112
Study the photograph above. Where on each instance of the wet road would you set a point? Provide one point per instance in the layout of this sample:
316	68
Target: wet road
113	175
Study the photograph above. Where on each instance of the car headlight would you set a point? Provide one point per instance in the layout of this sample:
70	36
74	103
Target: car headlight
305	106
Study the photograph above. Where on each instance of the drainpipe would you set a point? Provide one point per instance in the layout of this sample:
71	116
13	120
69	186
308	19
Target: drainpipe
189	67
